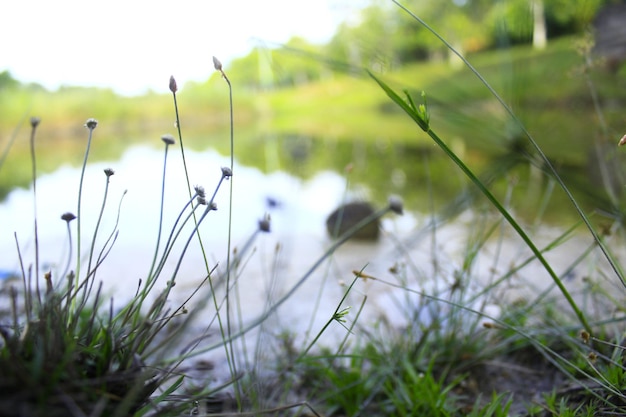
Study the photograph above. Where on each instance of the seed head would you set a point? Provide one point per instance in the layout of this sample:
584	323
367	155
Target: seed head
217	64
34	121
395	204
168	139
173	86
226	172
213	206
200	191
108	172
68	217
264	224
91	124
585	336
201	200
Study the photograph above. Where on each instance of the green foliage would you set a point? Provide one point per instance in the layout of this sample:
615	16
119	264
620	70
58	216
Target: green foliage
413	392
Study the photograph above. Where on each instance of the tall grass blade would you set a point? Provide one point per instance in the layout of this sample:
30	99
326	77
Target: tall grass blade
596	236
420	117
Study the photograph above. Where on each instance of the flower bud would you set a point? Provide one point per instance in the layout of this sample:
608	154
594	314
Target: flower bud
68	217
173	86
168	139
217	64
91	124
226	172
395	204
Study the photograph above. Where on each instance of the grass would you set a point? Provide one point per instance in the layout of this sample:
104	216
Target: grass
467	342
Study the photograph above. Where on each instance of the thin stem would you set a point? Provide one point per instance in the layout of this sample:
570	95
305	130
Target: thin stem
95	232
91	125
156	250
34	121
230	220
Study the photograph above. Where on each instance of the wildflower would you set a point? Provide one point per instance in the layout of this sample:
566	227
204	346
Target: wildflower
168	139
264	224
173	86
362	275
395	204
108	172
91	124
201	200
200	191
34	121
585	336
68	217
217	64
48	277
226	172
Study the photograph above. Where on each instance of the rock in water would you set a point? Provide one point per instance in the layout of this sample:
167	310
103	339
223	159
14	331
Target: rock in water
347	216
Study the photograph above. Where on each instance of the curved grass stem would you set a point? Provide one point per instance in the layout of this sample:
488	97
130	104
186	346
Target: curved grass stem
605	250
91	124
421	119
34	122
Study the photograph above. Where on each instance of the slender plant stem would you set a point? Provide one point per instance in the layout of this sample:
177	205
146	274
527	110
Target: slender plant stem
91	125
34	122
156	250
69	256
100	215
230	222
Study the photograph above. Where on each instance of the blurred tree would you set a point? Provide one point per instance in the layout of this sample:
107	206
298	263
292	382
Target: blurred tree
368	41
7	81
460	22
296	62
383	36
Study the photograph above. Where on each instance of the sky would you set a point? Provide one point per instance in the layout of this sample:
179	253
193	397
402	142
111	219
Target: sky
132	46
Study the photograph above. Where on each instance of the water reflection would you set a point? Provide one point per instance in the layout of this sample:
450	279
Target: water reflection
419	252
298	209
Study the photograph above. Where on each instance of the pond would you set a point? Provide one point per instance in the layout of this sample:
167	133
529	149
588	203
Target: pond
420	250
298	208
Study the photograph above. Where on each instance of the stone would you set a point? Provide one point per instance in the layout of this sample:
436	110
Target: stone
347	216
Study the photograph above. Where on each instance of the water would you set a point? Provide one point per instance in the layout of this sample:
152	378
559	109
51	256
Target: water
411	252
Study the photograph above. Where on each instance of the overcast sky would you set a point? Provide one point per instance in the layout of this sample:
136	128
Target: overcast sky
135	45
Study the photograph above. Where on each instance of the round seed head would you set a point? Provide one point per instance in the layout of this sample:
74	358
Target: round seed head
91	124
168	139
395	204
201	200
226	172
34	121
214	206
68	217
200	191
264	224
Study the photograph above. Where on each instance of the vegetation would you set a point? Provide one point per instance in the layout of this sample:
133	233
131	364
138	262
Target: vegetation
463	345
